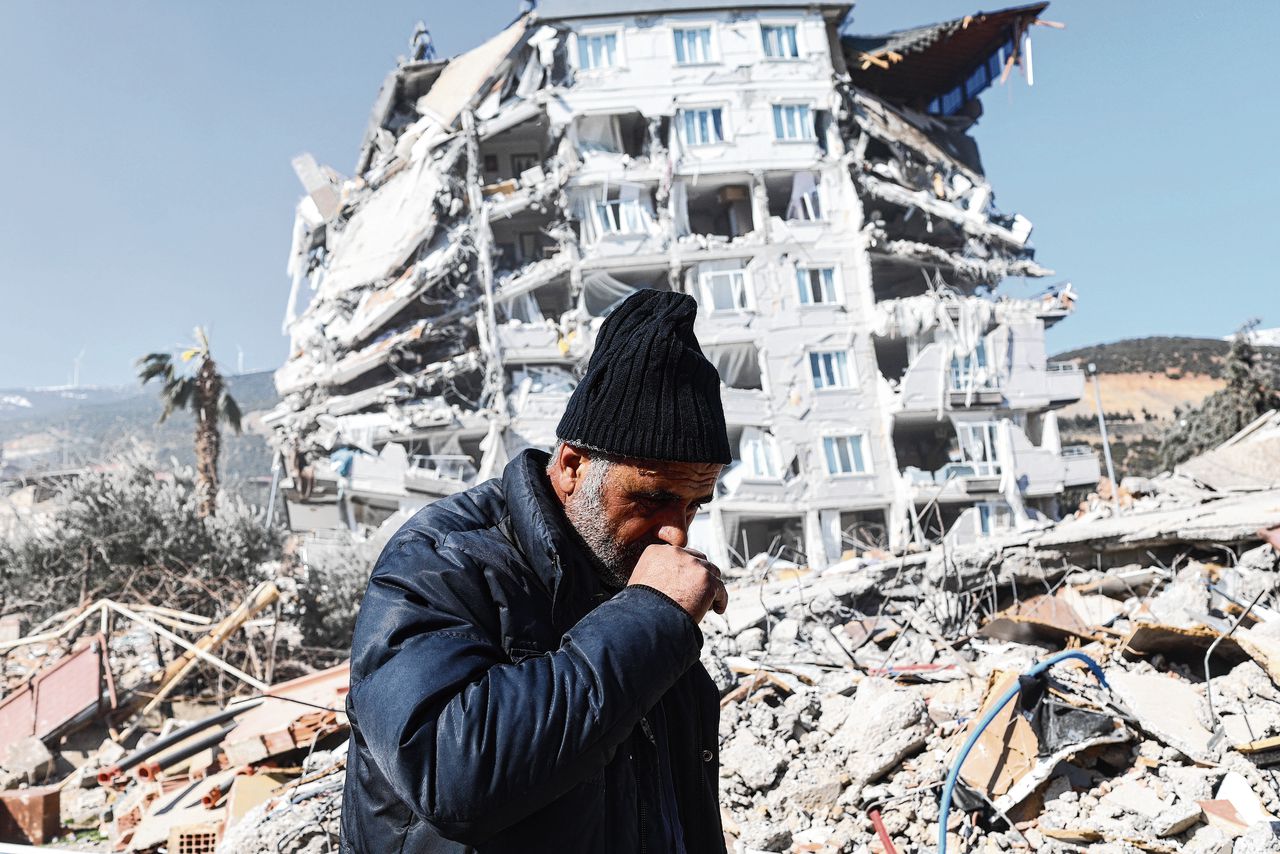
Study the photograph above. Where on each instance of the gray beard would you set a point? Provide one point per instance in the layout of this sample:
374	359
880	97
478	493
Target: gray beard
613	561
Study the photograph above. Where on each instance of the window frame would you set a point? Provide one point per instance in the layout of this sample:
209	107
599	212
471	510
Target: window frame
767	447
850	369
780	25
811	126
713	45
804	288
712	110
831	453
704	289
619	56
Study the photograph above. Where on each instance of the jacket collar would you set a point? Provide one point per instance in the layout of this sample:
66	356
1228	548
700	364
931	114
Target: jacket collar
553	549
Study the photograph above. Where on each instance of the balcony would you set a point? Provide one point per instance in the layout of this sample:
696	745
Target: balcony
1080	466
439	474
1064	382
962	481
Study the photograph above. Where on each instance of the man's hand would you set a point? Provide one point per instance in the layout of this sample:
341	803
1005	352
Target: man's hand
685	575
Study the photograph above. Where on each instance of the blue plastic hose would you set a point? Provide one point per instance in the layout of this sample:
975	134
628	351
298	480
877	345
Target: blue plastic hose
944	811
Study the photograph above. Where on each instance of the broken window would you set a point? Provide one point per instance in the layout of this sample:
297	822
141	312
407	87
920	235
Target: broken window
724	210
725	290
793	123
845	454
626	133
978	443
806	203
830	369
759	453
597	50
737	364
701	125
780	41
618	209
598	134
817	285
693	45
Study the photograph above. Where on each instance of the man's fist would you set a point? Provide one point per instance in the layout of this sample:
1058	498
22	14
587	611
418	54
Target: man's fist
684	575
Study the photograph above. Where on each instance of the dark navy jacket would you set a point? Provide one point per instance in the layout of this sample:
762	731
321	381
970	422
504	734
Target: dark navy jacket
502	701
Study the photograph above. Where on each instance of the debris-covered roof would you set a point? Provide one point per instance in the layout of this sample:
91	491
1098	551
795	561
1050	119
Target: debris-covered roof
928	62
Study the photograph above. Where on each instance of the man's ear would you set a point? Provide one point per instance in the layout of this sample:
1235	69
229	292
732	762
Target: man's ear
569	470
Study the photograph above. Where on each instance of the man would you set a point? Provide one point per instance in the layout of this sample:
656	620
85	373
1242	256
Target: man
524	673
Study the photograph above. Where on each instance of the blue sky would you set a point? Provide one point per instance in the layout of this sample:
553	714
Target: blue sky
146	145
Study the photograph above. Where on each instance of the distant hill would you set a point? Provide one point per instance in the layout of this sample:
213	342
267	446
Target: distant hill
1162	355
1144	384
43	429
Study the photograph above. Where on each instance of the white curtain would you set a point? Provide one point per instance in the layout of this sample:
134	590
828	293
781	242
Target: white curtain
738	364
601	292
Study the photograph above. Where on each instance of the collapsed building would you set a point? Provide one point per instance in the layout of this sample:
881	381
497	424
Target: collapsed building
819	195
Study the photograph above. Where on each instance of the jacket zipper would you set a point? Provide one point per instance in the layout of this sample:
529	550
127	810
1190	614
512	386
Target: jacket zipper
644	813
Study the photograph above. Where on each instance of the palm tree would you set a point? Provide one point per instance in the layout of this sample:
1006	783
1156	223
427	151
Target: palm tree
205	394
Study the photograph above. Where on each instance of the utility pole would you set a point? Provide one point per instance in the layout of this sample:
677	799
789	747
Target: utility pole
1106	442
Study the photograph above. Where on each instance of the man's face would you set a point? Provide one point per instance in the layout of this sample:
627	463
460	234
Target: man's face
624	507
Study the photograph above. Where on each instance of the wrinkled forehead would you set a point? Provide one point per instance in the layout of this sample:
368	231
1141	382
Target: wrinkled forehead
691	479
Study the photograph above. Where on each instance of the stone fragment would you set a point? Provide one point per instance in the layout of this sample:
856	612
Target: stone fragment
1208	840
1134	797
1176	819
754	764
751	640
886	724
1261	837
28	761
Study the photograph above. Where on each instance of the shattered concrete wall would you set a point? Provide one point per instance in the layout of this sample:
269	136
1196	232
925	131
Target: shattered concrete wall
840	238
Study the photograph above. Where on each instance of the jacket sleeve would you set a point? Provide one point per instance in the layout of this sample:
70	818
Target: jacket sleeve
473	743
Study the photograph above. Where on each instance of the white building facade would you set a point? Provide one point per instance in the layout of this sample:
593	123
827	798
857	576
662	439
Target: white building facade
815	192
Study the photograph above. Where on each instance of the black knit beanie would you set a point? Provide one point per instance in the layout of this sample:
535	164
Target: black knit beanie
649	393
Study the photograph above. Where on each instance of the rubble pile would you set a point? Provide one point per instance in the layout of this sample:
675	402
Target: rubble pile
86	752
848	694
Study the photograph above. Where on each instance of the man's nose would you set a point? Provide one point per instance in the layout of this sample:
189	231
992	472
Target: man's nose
674	535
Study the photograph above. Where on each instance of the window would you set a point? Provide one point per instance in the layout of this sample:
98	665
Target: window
620	216
817	285
806	199
845	454
521	163
693	45
759	454
978	446
725	290
830	369
793	122
780	41
702	126
969	371
597	50
993	517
